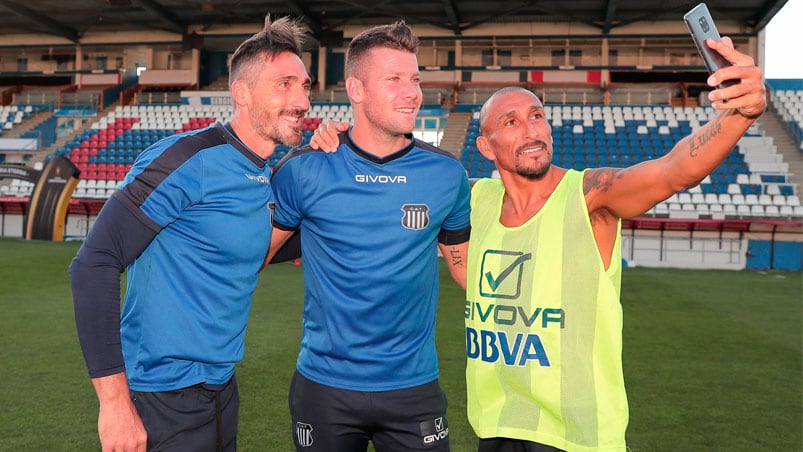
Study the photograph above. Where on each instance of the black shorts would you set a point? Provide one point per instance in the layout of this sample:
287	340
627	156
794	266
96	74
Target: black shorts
327	419
200	418
513	445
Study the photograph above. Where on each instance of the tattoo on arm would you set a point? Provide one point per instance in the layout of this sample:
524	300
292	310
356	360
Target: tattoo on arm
698	140
456	257
600	179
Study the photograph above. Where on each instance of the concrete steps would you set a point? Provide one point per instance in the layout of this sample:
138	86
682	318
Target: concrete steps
34	120
454	134
772	126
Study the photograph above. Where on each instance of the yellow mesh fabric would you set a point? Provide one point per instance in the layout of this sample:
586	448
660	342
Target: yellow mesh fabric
543	325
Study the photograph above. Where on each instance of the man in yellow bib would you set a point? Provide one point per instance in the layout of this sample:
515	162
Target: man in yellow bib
543	316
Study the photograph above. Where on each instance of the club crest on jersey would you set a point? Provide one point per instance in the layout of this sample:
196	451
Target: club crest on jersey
415	216
304	434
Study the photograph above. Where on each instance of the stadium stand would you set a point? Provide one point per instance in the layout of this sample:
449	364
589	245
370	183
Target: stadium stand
13	115
752	183
106	93
788	104
105	150
160	95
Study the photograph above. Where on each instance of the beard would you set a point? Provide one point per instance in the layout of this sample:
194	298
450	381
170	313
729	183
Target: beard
529	169
267	127
533	172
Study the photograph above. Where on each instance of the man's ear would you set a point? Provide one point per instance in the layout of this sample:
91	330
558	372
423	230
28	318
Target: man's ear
485	149
240	93
355	89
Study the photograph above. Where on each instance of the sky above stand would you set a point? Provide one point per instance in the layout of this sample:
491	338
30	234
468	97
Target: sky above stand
784	35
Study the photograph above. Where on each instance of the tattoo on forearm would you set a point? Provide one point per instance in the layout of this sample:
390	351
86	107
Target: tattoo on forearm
456	257
600	179
700	139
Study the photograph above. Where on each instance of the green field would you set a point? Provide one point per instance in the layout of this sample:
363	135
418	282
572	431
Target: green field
712	358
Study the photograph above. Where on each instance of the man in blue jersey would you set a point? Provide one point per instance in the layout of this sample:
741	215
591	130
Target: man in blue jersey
191	223
546	244
372	217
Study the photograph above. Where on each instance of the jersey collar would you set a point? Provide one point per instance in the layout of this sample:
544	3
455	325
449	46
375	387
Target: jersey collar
345	138
228	133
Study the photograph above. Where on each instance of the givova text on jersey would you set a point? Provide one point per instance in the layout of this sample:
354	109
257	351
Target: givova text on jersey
518	349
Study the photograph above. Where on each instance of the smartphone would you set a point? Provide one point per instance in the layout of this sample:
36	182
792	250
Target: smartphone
702	27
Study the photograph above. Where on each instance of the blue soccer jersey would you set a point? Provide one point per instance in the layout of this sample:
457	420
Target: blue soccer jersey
369	230
189	293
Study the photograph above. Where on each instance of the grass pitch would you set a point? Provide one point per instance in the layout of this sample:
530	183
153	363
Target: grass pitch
712	358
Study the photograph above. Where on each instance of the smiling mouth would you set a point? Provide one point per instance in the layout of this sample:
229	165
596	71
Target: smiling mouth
531	148
407	110
294	116
294	120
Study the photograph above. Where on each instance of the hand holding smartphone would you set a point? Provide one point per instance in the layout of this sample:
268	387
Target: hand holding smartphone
702	27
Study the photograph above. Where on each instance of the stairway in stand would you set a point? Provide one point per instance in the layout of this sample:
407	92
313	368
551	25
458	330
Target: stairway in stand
454	134
772	126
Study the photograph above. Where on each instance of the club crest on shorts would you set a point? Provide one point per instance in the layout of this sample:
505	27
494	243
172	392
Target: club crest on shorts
415	216
304	434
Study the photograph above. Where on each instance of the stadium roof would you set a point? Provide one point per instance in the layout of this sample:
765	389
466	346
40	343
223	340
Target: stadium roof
72	19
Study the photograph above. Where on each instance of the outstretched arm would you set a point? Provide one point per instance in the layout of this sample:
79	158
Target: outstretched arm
632	191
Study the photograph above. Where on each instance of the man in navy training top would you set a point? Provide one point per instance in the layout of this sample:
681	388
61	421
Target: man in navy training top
192	224
372	216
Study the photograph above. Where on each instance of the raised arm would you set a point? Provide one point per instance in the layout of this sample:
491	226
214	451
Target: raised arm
632	191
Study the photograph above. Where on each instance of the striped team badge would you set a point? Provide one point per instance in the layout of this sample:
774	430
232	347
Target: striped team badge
415	216
304	434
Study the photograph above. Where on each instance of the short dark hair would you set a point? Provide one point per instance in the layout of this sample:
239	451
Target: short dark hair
283	35
397	36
